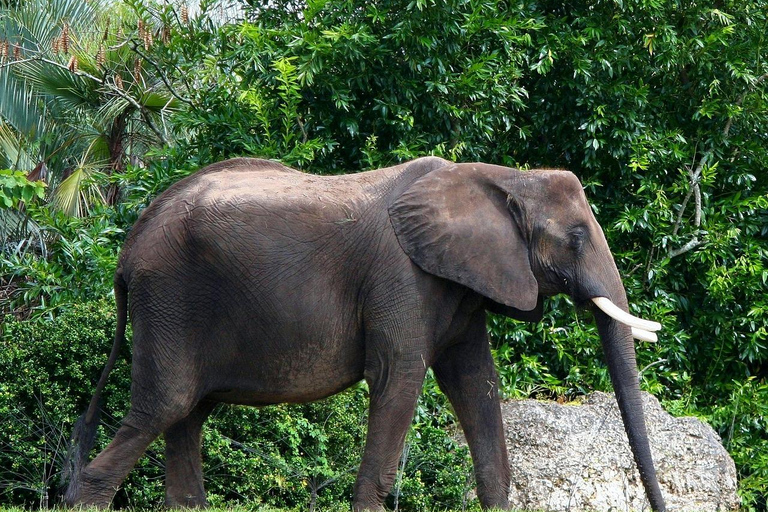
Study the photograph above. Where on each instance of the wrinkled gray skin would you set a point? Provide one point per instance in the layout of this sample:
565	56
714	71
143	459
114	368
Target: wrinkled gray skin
251	283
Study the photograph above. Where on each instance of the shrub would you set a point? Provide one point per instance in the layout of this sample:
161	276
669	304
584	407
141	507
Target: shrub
77	264
48	369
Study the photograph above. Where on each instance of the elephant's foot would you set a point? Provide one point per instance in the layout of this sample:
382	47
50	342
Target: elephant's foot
184	489
186	501
370	493
99	481
89	492
362	507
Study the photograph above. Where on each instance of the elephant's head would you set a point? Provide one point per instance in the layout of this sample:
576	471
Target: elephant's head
514	237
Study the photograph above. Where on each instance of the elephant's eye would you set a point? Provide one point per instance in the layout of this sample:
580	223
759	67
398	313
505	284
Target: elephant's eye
576	238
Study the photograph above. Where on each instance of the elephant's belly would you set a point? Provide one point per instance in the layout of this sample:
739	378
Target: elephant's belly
247	395
288	372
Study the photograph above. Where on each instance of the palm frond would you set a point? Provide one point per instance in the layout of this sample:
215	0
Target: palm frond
99	150
156	101
17	105
58	84
66	197
35	23
14	155
63	143
77	193
112	108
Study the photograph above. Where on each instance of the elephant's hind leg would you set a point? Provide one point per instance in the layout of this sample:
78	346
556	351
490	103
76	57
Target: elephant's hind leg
164	391
103	476
183	464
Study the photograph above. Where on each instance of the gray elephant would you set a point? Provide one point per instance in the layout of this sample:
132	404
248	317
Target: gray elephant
252	283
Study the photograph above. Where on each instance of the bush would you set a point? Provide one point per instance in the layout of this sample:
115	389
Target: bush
48	370
76	264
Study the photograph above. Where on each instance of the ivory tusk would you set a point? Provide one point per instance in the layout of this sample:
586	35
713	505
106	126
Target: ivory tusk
643	335
618	314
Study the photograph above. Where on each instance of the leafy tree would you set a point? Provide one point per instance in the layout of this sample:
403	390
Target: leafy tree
425	79
76	97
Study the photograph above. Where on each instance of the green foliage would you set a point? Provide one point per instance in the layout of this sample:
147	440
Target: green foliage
286	455
557	357
47	370
742	420
140	184
294	455
442	80
435	471
78	264
15	188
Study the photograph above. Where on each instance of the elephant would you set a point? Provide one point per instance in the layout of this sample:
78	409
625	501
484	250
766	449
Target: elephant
253	283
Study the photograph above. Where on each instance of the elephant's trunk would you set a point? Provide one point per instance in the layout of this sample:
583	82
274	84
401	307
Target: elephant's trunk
619	349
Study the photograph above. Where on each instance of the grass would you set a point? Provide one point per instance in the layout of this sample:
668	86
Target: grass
235	508
238	508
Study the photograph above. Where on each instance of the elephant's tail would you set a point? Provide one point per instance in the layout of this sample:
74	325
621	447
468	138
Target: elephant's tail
84	433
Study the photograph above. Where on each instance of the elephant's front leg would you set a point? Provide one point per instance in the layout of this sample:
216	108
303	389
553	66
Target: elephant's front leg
395	381
467	375
183	464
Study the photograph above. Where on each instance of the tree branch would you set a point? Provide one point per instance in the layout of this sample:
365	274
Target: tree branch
693	181
163	77
694	175
695	191
691	244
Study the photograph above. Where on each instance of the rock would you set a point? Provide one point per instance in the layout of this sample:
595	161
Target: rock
577	457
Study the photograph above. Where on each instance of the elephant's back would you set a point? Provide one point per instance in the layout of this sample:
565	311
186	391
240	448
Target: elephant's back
267	183
264	206
244	212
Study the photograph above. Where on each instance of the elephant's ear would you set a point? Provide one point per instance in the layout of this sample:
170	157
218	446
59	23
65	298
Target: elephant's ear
455	223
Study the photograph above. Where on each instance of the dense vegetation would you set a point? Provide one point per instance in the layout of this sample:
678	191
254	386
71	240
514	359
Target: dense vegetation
660	107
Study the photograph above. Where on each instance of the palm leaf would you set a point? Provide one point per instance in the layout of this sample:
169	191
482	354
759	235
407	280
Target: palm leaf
35	23
17	105
112	108
99	148
13	155
59	85
77	192
157	102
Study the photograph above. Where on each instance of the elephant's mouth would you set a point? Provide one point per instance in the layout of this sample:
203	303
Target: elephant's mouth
643	330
